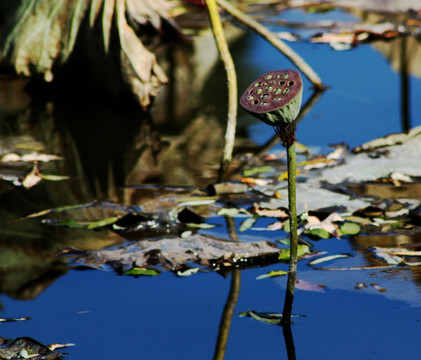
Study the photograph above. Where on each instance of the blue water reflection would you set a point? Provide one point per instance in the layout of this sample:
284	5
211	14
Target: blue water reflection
362	102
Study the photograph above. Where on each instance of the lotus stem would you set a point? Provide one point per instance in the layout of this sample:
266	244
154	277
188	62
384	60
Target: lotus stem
292	204
218	33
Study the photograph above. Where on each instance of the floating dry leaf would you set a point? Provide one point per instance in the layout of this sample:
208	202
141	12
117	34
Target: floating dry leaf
276	213
327	258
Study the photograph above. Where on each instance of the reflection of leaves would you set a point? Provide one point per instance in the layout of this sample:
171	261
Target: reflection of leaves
268	318
308	286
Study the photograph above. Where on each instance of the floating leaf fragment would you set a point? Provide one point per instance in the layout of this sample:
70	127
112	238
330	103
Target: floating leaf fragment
195	201
200	226
385	255
254	181
247	224
358	220
327	258
187	272
14	319
233	212
102	223
276	213
318	232
50	177
257	170
284	175
140	271
360	285
56	346
323	228
31	179
301	250
273	273
349	228
377	287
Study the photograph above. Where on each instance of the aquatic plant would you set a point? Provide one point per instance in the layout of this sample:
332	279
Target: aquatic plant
275	98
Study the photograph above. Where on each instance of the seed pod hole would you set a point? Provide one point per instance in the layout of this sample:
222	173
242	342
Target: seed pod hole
282	83
264	103
278	98
290	83
255	102
250	97
268	76
286	76
269	88
264	96
259	91
277	91
286	91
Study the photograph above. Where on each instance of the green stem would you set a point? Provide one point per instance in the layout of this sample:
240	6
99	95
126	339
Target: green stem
218	33
292	200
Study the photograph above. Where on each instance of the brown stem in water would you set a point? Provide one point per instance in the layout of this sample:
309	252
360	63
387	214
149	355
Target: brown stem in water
218	33
296	59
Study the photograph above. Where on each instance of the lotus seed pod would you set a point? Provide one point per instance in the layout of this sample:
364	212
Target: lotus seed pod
275	97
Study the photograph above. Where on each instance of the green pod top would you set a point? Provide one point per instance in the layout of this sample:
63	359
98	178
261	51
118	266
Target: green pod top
275	97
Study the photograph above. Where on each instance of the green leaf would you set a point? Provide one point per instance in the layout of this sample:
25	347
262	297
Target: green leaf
349	228
302	249
318	232
272	274
138	271
257	170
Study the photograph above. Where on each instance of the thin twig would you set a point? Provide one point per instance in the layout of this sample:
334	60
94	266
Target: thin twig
296	59
218	33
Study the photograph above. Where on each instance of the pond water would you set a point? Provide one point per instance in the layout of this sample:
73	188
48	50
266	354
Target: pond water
108	316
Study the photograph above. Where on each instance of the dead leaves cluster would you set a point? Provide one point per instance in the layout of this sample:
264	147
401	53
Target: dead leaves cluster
41	35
